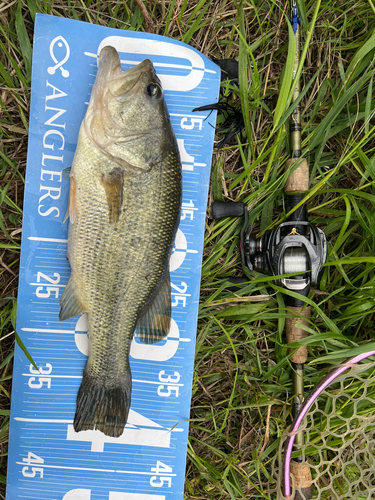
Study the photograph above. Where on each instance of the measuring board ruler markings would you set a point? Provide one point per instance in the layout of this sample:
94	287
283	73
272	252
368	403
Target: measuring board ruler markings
47	458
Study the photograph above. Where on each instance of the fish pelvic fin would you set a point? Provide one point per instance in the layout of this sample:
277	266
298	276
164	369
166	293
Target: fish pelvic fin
70	303
155	318
103	405
72	203
113	185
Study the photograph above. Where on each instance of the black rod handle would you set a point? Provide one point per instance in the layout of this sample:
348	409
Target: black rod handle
219	210
236	282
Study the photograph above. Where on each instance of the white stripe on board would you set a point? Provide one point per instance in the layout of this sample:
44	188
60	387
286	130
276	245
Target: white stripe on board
39	330
44	420
54	240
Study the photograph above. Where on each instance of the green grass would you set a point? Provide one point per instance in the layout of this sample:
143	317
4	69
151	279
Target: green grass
242	381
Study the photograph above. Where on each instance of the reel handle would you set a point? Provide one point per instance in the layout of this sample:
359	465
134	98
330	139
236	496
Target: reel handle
219	209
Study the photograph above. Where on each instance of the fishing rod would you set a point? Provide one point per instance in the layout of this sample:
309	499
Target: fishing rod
296	247
298	181
296	186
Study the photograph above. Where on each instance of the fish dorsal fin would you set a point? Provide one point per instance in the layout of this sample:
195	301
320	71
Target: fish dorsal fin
155	318
113	184
71	212
70	303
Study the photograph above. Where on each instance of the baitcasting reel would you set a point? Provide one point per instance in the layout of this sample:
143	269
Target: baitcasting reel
295	246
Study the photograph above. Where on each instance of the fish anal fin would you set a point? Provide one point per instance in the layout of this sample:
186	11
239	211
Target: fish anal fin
72	211
155	318
113	185
71	304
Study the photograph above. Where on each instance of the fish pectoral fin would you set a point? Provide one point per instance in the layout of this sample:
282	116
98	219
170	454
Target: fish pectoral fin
155	318
70	303
113	184
71	212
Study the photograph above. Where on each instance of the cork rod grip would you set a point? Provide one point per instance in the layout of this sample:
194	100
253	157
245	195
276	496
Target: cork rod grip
298	180
303	480
295	334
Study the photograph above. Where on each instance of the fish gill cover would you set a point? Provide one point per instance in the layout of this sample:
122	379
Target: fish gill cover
47	458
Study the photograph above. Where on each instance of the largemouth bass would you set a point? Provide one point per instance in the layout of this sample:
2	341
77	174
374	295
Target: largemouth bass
124	204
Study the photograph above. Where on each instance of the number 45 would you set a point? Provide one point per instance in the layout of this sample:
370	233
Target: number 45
158	481
31	460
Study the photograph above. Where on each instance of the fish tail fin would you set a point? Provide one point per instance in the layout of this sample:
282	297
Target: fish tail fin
103	406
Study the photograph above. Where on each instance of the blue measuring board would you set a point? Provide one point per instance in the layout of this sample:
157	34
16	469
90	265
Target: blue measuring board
47	458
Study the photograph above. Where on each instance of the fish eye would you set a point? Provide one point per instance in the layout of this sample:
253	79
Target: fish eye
154	91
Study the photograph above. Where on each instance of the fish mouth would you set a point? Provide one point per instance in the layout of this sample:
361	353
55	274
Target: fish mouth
112	82
111	79
120	83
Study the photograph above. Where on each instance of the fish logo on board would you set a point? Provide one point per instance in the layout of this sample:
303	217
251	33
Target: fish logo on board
61	43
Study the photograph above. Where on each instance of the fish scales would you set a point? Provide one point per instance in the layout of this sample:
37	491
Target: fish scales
139	258
123	219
